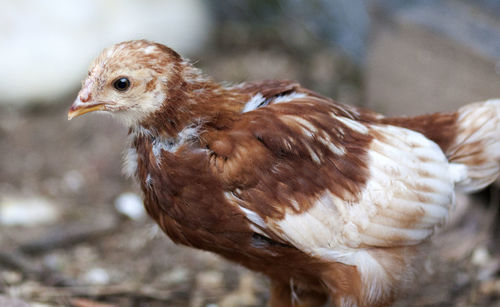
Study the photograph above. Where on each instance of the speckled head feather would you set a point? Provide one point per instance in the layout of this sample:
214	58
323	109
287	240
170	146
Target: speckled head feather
147	68
164	91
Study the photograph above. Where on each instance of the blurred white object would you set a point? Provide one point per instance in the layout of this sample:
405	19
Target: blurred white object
480	256
96	276
130	204
27	211
46	46
73	180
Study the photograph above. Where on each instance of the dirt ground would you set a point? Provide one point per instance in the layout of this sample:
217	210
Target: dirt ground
92	255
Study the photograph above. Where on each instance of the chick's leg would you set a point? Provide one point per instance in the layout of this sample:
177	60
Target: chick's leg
285	295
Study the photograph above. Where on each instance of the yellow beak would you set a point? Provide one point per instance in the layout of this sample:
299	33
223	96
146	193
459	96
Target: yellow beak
78	108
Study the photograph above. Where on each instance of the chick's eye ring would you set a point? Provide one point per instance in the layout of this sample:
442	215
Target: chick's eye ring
121	84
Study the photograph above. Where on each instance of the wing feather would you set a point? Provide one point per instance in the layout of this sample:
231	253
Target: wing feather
327	178
397	207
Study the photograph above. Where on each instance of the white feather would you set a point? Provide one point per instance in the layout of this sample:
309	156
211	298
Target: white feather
352	124
253	217
160	143
253	103
289	97
130	162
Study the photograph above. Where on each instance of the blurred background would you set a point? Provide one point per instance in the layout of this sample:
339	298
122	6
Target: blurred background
72	228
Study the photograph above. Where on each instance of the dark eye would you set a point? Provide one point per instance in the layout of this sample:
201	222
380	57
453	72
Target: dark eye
121	84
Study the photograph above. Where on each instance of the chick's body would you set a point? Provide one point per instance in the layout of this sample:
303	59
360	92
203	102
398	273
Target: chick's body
330	201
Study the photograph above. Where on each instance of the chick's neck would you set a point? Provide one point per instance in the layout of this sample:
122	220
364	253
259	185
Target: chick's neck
194	99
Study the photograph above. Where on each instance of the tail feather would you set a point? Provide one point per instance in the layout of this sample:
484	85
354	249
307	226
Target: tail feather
476	144
470	138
